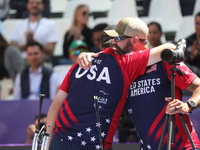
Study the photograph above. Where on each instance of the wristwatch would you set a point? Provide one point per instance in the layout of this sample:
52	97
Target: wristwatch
192	105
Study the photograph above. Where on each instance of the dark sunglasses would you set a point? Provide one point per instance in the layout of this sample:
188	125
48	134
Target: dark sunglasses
77	52
122	38
125	37
143	40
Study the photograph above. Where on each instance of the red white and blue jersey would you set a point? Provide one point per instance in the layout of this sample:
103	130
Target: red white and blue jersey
109	79
146	104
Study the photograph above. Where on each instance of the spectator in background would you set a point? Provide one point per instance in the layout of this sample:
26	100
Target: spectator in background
4	9
22	12
11	61
35	78
155	33
154	38
75	48
192	52
33	127
78	30
35	28
96	35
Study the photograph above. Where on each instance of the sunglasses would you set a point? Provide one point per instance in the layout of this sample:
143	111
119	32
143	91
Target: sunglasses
122	38
76	52
126	37
143	40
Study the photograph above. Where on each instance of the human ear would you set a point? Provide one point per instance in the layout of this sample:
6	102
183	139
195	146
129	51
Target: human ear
135	40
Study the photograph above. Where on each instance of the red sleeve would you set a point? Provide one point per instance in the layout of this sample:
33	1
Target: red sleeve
182	82
136	63
66	82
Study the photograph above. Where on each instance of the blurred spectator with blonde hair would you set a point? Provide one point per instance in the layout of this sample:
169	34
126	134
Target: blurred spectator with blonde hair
79	29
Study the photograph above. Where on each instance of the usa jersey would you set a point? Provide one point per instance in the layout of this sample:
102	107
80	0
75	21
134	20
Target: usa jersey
146	104
108	79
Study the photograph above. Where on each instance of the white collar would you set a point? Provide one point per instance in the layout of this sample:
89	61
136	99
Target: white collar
38	71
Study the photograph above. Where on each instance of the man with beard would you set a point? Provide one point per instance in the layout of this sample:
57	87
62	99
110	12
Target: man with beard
35	28
71	119
146	99
22	12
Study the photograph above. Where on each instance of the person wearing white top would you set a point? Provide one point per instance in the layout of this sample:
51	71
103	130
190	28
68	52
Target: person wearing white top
35	79
35	28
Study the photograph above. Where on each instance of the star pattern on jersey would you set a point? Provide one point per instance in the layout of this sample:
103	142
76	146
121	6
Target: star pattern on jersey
93	139
83	143
141	141
108	120
97	146
70	138
88	129
98	124
148	146
103	134
79	134
89	134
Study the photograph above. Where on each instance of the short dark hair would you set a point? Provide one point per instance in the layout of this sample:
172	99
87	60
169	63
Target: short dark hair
99	27
106	40
198	14
156	24
43	1
41	116
34	43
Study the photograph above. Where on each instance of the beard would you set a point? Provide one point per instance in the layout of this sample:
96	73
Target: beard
126	49
35	11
